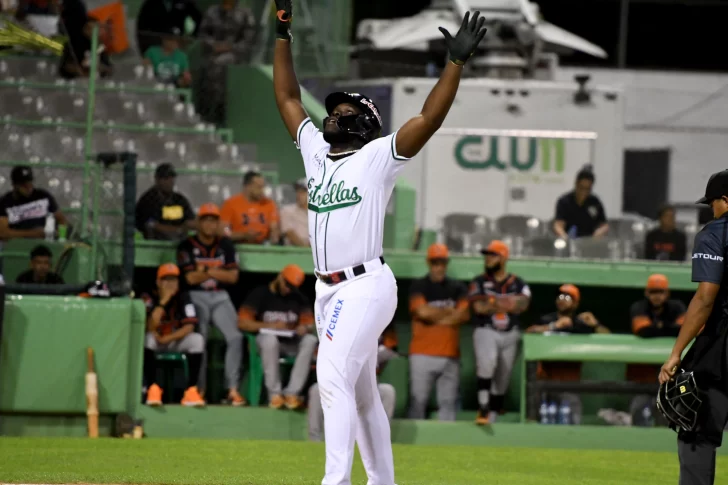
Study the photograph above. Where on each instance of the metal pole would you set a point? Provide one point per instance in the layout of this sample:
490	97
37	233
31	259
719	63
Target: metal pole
93	270
88	152
623	27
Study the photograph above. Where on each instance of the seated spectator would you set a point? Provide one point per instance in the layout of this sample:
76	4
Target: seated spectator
387	392
294	218
580	213
171	322
159	17
40	269
439	306
162	213
170	63
250	217
228	35
283	319
76	57
210	265
566	320
23	211
666	242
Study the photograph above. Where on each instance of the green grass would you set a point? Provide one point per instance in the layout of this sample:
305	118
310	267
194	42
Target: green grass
208	462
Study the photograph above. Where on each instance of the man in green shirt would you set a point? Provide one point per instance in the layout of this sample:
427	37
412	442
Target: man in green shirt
170	63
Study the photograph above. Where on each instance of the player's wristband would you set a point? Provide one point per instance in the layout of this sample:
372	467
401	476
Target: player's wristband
283	27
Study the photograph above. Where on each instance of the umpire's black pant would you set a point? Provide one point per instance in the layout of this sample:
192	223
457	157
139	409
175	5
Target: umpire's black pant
697	450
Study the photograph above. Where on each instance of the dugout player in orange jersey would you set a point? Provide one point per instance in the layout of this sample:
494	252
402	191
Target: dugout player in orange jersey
171	327
439	305
497	299
250	217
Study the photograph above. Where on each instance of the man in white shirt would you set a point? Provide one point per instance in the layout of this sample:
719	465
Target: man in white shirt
350	172
294	217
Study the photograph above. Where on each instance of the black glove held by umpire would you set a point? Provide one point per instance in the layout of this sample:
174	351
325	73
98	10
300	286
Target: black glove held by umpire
463	45
284	15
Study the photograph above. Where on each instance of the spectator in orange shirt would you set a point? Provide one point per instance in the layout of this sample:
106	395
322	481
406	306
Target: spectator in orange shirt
439	305
250	217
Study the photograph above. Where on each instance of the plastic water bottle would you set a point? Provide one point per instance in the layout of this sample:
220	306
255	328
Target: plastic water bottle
50	227
553	412
565	413
648	419
572	232
543	412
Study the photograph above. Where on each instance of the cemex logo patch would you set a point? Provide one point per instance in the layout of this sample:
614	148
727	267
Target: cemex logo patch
334	318
711	257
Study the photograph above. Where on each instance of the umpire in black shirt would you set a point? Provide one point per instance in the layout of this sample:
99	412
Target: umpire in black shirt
708	310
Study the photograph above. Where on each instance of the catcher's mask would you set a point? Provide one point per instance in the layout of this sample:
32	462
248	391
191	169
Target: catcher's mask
679	401
366	126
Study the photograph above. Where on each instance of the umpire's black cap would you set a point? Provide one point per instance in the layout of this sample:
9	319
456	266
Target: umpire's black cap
165	170
717	187
21	174
362	102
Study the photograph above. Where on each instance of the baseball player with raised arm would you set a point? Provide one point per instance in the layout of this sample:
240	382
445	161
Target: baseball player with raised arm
350	172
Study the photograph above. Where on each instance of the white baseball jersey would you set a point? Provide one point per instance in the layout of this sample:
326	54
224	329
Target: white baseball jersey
347	198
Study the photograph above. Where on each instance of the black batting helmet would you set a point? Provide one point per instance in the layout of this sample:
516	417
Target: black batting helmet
679	401
366	126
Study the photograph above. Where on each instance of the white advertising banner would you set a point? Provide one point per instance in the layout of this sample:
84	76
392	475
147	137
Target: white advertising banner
497	172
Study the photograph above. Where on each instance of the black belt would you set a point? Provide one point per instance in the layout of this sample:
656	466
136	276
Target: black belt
339	276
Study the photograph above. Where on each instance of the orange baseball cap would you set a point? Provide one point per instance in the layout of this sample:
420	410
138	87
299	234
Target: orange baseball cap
209	209
294	275
437	251
570	290
657	282
167	269
498	248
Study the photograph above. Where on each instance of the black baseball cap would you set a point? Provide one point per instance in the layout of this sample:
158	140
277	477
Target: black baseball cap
165	170
362	102
21	174
716	188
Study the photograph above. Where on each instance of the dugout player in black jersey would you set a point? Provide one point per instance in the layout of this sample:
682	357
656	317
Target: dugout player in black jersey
209	264
701	427
171	325
497	299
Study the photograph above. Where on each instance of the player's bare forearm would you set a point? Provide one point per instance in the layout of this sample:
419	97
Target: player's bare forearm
602	230
417	131
456	316
194	278
560	229
430	314
286	88
180	333
228	276
154	319
521	303
698	312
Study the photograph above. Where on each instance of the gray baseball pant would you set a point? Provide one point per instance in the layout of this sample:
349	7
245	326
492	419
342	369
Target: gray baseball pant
215	307
192	343
426	370
495	355
271	347
316	412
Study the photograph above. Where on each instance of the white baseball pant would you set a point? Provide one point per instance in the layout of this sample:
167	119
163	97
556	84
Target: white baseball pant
350	317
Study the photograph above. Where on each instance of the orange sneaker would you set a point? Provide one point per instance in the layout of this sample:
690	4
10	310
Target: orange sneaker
154	395
481	420
293	402
192	398
276	402
235	399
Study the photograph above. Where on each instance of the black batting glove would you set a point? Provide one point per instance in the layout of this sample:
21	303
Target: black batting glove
284	15
463	45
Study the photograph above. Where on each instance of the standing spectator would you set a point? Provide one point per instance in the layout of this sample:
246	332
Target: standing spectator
76	56
666	242
250	217
439	305
580	213
294	217
162	213
23	211
40	269
497	299
387	351
159	17
566	320
171	321
228	37
170	63
656	315
209	264
283	319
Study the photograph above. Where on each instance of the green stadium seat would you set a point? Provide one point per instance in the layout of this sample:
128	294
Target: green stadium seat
173	358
